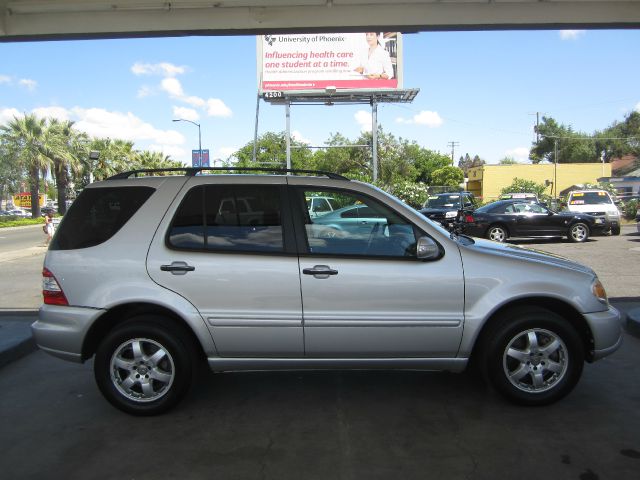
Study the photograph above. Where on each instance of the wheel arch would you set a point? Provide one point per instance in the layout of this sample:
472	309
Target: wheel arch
554	305
121	314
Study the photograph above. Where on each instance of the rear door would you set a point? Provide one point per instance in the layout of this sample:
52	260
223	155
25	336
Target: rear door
229	250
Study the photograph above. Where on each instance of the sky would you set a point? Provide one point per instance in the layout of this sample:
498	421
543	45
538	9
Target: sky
480	89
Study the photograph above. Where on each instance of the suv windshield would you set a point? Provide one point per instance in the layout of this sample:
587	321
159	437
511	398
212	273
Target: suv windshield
444	201
589	198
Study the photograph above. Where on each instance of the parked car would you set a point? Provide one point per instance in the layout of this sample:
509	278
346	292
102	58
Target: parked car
16	212
598	203
520	196
145	275
445	207
505	219
319	206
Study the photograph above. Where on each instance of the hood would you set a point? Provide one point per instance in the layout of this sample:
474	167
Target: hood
526	254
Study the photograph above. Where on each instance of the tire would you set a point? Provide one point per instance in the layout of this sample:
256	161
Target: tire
615	230
497	233
532	356
578	233
145	366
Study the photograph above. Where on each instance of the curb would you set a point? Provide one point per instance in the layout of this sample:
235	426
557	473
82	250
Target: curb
633	322
16	341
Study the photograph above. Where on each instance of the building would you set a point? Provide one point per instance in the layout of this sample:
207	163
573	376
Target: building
486	181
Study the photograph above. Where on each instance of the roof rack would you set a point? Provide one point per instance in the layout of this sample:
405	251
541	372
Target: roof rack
193	171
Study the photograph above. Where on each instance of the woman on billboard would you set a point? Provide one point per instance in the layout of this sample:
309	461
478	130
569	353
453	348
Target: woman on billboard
376	62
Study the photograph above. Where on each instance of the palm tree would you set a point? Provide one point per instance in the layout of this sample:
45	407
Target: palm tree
148	159
114	156
67	148
26	140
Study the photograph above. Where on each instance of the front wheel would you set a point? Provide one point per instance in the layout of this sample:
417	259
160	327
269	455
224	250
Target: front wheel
578	233
533	356
145	366
615	230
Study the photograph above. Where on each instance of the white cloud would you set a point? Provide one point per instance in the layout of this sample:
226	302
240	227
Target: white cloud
163	69
297	136
425	117
8	114
173	87
102	123
364	119
518	153
194	101
571	34
28	84
176	153
638	107
60	113
226	152
5	79
186	113
217	108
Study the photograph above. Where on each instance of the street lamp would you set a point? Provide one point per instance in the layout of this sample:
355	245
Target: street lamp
199	136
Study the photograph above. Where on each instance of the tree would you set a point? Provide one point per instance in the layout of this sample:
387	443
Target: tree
26	143
427	162
10	173
520	185
271	152
508	161
113	156
561	144
448	176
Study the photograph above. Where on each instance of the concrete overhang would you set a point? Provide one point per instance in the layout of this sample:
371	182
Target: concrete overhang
24	20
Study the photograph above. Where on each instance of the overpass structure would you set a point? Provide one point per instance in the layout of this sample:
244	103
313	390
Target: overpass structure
25	20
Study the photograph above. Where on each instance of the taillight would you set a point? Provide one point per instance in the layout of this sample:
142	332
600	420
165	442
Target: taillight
51	291
468	218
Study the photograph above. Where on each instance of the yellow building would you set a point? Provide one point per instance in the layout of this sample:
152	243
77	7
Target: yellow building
487	181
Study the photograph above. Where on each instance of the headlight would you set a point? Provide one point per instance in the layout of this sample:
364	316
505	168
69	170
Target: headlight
450	214
598	291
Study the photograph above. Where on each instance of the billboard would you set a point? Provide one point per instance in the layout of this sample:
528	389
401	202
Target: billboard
311	62
23	200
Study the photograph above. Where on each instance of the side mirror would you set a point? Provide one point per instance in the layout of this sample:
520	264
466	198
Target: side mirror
427	249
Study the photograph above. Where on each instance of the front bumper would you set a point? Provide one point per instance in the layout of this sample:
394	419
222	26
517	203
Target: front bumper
606	328
60	331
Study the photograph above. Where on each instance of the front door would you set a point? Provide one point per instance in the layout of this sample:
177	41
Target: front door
364	292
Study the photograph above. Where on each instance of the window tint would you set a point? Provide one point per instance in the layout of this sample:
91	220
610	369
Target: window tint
233	218
359	226
97	214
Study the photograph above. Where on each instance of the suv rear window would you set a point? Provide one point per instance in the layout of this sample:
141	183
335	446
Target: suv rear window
97	214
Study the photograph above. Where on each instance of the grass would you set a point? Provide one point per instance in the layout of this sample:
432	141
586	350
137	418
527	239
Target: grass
19	222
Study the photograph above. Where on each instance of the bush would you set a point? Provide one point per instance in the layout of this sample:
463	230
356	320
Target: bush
630	209
413	194
12	221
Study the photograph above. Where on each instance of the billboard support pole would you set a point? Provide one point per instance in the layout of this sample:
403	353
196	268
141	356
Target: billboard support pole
255	130
288	110
374	137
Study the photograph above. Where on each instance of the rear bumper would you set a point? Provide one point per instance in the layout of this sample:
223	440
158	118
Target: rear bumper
60	331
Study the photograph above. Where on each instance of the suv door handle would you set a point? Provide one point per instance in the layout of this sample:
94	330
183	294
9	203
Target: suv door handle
320	271
177	268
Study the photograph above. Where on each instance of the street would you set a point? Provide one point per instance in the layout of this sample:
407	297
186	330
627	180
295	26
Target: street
322	425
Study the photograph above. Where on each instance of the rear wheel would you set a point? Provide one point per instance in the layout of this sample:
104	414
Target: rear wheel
578	233
497	233
533	356
615	230
145	366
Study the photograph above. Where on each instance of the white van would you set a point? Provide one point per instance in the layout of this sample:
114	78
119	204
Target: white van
597	203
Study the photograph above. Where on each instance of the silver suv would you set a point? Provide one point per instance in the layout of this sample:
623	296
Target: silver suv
152	277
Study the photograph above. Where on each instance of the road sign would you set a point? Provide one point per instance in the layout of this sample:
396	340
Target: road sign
201	160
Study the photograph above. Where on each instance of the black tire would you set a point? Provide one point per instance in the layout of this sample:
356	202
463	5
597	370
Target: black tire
146	365
615	230
532	356
578	233
497	233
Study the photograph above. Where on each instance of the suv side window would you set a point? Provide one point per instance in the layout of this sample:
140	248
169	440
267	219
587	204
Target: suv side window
97	215
360	226
229	218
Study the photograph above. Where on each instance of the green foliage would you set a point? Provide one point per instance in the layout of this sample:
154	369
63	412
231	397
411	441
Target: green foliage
508	161
447	176
520	185
630	209
19	222
466	163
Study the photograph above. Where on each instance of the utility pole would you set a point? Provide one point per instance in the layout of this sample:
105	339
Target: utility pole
453	146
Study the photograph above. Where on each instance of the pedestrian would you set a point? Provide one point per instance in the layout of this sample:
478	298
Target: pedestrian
48	226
